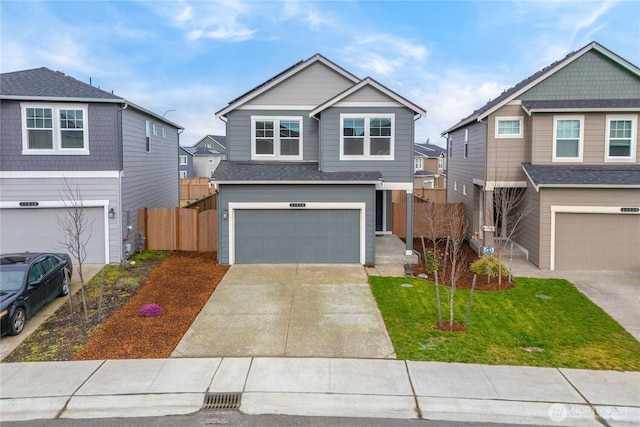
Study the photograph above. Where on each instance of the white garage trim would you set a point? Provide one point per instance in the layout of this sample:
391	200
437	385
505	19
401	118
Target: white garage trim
578	209
233	206
104	204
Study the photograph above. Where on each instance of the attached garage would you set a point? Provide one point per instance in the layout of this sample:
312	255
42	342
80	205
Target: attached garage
280	234
37	230
597	241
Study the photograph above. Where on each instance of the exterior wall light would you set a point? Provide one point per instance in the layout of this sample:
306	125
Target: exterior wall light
225	214
112	213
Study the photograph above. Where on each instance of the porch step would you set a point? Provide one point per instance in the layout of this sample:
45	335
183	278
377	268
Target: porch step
391	250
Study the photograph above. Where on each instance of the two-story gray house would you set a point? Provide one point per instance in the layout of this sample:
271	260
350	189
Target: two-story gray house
567	136
116	155
312	156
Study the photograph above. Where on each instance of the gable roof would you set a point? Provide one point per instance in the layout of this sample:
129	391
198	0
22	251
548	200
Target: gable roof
586	176
220	140
533	80
368	81
189	150
428	150
284	75
43	84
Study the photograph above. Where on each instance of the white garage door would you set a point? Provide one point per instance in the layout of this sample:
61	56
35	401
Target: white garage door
37	230
597	242
297	236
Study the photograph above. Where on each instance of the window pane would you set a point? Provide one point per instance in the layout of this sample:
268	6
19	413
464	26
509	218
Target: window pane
289	147
509	127
620	129
380	127
620	148
354	146
39	118
41	139
567	148
72	139
380	146
264	146
568	129
353	127
290	128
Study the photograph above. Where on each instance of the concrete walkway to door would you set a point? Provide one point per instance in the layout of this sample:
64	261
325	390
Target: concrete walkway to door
293	310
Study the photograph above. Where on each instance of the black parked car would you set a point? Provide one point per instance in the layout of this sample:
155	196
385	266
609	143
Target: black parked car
29	281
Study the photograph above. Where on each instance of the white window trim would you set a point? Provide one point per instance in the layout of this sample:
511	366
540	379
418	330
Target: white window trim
184	161
147	133
418	164
276	138
505	119
440	163
464	189
634	138
580	142
55	113
164	132
154	128
183	174
367	141
455	185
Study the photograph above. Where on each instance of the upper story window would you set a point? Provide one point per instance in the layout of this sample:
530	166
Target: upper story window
450	145
183	174
164	131
155	129
366	137
147	132
621	138
440	163
418	164
466	143
54	129
276	137
183	160
508	127
568	138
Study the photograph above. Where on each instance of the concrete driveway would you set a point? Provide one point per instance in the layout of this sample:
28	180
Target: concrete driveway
616	292
294	310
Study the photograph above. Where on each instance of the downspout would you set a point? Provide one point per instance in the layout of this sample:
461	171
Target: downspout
119	203
320	150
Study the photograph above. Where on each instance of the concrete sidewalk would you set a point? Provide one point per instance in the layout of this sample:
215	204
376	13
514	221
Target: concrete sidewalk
374	388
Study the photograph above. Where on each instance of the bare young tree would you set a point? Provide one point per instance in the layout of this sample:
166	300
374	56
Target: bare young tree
456	255
76	227
511	207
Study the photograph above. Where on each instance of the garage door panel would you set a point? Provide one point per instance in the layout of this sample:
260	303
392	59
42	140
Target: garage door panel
597	242
297	236
38	230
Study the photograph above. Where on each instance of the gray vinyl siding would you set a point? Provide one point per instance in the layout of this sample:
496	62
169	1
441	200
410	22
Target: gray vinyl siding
150	179
594	139
463	170
49	189
529	235
298	194
102	127
239	133
400	169
592	76
578	197
505	155
309	87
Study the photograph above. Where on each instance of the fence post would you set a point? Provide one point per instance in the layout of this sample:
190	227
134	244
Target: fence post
177	219
198	229
142	226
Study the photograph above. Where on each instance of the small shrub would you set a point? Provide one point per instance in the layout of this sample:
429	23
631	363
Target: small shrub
150	310
489	263
432	260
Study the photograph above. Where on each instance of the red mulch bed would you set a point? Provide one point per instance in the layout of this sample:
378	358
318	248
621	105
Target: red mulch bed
464	282
181	285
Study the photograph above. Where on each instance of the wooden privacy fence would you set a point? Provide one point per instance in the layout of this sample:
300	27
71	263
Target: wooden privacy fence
179	229
429	218
206	203
436	195
195	188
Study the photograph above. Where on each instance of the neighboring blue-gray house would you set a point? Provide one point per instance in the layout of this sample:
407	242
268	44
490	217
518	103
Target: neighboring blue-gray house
429	166
185	162
313	155
213	142
119	156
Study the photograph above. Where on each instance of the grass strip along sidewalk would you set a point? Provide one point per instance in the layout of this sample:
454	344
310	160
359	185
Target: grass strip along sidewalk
540	322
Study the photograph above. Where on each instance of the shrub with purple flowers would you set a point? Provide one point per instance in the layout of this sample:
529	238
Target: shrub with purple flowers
150	310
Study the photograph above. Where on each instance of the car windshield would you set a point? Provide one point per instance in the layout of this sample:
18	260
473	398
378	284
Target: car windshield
11	278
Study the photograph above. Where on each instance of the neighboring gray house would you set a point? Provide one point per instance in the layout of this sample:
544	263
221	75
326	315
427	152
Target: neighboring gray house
429	166
185	162
214	142
205	161
313	155
119	156
568	137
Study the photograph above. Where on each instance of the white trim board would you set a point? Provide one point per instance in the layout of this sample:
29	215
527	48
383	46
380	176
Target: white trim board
233	206
58	174
555	209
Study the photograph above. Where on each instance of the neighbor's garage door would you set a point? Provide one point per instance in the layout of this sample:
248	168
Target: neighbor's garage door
297	236
37	230
597	242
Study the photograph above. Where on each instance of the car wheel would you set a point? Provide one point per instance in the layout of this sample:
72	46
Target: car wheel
18	320
64	291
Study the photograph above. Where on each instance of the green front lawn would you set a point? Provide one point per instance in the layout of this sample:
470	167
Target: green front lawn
511	327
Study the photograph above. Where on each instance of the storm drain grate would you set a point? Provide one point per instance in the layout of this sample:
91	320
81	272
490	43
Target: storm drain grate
221	401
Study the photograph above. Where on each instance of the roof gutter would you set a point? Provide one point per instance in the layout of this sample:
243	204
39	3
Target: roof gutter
310	182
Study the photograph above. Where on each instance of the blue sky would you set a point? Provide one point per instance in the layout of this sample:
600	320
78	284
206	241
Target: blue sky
193	57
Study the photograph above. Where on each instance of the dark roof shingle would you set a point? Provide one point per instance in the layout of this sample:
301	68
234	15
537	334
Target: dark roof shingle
583	175
286	172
